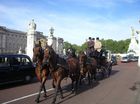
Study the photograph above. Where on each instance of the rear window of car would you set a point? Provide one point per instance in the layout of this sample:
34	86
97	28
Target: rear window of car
4	61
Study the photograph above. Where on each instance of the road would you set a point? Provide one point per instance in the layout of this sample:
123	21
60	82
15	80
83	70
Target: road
122	87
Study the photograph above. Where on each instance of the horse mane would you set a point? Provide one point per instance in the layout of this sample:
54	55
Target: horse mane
53	58
41	52
84	55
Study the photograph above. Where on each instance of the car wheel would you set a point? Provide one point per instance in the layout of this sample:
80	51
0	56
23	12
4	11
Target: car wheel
28	78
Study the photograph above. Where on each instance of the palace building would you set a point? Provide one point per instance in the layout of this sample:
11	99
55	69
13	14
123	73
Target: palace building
11	41
15	41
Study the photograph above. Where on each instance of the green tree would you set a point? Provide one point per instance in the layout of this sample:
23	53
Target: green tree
114	46
67	45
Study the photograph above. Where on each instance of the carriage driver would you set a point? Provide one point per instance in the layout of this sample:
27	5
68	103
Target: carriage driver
90	44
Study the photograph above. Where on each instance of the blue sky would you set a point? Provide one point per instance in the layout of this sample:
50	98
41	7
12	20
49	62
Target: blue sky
73	20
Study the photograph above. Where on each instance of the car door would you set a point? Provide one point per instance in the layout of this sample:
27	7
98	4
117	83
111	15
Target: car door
26	67
15	68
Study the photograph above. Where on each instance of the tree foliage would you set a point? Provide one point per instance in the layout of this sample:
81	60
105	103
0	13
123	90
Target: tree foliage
114	46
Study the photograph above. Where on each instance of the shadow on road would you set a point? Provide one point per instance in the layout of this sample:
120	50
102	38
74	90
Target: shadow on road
19	83
114	72
100	77
82	88
15	84
67	93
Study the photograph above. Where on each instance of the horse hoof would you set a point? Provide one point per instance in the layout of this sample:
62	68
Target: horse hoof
72	91
53	102
37	100
45	96
75	93
53	86
62	97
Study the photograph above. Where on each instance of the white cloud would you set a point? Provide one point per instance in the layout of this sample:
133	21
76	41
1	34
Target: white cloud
74	29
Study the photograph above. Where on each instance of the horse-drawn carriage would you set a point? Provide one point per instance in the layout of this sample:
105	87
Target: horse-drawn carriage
102	63
105	64
49	63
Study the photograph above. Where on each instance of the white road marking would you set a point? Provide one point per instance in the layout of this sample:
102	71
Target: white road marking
20	98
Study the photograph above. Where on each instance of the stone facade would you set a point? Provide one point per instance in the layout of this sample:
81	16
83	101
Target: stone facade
12	40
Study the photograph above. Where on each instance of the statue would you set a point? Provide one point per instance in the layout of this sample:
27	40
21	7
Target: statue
138	32
133	33
51	31
20	50
32	27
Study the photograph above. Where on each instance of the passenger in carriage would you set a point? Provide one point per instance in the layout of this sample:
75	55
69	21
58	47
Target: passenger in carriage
90	45
98	48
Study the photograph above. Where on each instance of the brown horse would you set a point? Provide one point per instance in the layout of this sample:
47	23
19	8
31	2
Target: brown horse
87	66
57	68
74	71
38	55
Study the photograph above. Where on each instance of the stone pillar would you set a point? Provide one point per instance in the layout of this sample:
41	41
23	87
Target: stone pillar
50	40
139	50
31	38
138	32
60	46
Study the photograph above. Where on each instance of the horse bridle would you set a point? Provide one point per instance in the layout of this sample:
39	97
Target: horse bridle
82	64
39	56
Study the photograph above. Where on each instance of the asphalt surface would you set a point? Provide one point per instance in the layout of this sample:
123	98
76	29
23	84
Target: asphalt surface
122	87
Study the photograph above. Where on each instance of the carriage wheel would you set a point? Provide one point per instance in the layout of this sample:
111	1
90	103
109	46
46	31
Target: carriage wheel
104	71
110	70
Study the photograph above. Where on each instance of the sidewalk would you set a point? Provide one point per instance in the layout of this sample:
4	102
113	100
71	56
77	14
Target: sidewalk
137	87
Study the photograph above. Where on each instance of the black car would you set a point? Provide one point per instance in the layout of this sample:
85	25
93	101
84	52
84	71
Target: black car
15	68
